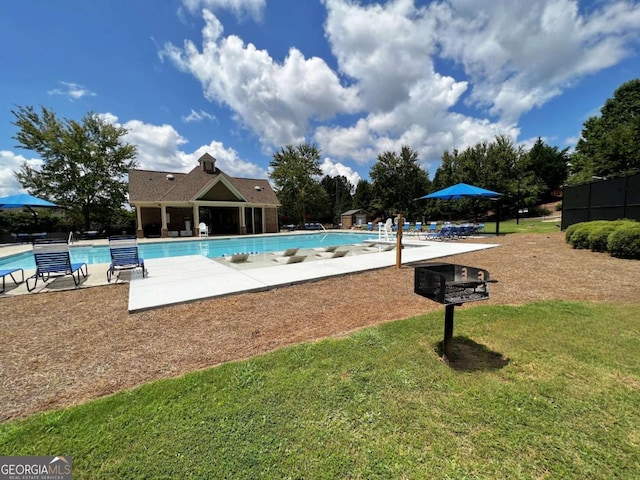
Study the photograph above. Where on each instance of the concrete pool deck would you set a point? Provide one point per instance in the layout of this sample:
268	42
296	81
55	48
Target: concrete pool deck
195	277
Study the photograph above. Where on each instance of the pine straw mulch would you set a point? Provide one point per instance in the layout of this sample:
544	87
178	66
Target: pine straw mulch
63	348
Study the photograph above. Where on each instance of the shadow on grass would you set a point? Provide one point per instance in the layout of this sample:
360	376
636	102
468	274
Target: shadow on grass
469	356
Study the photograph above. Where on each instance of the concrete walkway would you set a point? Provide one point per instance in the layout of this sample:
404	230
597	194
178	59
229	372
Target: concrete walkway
183	279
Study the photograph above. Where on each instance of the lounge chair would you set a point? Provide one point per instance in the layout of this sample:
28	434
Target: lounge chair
290	259
52	258
333	254
237	257
124	255
379	248
10	272
289	252
332	248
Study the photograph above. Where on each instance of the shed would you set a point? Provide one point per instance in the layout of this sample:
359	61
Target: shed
352	218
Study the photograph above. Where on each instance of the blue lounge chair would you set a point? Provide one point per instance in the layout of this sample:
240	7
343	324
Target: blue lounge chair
52	258
10	272
124	255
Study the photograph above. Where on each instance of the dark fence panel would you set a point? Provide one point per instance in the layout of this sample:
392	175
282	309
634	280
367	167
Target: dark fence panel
602	200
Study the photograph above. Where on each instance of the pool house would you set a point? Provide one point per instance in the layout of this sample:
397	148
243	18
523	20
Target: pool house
171	204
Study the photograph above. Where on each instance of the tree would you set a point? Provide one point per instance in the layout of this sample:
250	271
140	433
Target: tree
397	180
549	165
338	191
610	143
363	196
84	164
294	174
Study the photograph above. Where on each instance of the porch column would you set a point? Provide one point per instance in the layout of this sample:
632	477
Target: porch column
139	231
243	221
164	232
196	220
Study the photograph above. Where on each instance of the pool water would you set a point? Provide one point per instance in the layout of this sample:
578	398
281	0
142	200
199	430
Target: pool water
209	248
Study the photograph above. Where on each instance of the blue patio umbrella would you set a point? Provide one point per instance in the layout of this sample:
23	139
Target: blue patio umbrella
22	200
462	190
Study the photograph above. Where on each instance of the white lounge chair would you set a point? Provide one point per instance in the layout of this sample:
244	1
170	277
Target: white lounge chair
290	259
237	257
334	254
289	252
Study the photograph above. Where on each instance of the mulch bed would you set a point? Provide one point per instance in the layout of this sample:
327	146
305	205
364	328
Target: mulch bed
63	348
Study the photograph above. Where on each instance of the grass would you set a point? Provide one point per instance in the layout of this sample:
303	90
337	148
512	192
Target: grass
546	390
524	226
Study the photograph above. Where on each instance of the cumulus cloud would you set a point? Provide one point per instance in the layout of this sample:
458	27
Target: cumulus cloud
240	8
335	169
72	90
197	116
160	147
519	55
275	100
445	75
10	163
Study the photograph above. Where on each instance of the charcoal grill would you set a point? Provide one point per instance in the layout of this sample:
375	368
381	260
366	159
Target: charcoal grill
450	284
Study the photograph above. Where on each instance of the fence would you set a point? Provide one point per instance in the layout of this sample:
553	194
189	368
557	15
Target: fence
611	199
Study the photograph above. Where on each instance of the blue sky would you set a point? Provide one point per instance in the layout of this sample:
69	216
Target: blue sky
242	78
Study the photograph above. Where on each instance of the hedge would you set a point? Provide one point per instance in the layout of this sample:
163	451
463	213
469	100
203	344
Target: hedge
621	238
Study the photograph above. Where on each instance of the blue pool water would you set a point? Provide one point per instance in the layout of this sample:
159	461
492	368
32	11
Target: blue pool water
210	248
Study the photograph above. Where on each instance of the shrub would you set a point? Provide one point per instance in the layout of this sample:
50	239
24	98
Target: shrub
624	241
580	235
568	233
599	234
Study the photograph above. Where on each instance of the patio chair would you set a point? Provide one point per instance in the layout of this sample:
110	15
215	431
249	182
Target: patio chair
331	248
290	259
289	252
53	259
203	229
237	257
334	254
124	255
10	272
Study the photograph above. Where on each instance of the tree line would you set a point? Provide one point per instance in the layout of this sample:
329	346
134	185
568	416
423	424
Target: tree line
84	167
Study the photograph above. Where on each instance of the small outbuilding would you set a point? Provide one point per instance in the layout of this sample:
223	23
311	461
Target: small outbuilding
355	218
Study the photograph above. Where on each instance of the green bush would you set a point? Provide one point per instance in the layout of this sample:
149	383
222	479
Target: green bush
568	233
624	241
599	234
580	236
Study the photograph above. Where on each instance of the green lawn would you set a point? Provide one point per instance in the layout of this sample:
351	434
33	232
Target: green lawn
547	390
524	226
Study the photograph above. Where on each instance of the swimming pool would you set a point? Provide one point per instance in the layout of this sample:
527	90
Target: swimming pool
209	248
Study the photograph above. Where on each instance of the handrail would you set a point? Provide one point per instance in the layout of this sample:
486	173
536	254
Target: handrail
70	239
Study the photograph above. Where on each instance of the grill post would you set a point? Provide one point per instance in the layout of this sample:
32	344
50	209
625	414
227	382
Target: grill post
448	330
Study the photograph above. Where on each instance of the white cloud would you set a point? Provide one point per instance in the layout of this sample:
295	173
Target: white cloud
240	8
334	169
10	163
519	55
227	160
503	58
197	116
275	100
160	148
72	90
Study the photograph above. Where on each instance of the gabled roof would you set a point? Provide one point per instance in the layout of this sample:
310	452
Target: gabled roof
153	186
353	212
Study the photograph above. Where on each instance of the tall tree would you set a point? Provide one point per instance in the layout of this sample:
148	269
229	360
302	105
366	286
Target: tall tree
397	181
295	172
610	143
338	191
549	165
363	197
84	163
